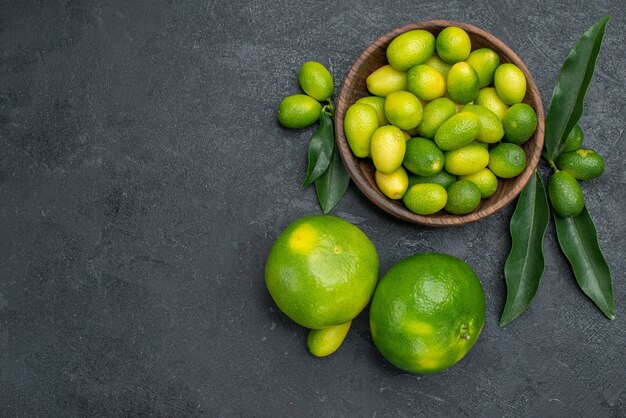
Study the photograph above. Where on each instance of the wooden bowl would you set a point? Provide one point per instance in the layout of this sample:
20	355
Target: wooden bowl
362	170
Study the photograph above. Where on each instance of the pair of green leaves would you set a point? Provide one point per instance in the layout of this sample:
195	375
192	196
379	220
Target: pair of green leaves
577	236
325	167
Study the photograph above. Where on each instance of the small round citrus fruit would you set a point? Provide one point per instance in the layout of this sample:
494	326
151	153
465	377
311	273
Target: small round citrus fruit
425	82
410	49
462	83
519	123
427	312
393	185
387	148
507	160
583	164
565	194
484	61
423	157
466	160
439	65
386	80
510	83
491	129
403	109
463	197
457	131
298	111
425	198
453	44
486	181
442	178
360	122
574	139
378	103
488	97
316	81
434	115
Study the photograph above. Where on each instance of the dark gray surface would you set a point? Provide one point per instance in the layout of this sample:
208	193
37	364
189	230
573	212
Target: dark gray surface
143	178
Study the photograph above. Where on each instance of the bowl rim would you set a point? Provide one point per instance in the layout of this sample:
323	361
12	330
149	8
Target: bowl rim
353	164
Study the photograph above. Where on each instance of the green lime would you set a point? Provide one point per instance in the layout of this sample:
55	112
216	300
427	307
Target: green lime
316	81
434	115
457	131
488	97
507	160
410	49
321	272
423	157
425	198
462	83
453	44
484	61
442	178
298	111
574	139
565	194
427	312
425	82
466	160
510	83
439	65
403	109
392	185
463	197
386	80
378	103
387	148
519	122
583	164
486	181
491	130
360	122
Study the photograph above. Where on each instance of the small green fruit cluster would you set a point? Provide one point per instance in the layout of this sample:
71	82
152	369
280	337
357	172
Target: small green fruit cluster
302	110
451	116
573	164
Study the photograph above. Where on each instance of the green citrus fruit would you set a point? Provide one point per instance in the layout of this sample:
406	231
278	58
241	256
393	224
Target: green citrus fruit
491	130
423	157
434	115
386	80
519	122
387	148
403	109
510	83
507	160
425	82
484	61
488	97
439	65
427	312
574	139
410	49
462	83
457	131
359	125
316	81
378	103
453	44
463	197
425	198
466	160
565	194
442	178
298	111
486	181
392	185
321	272
583	164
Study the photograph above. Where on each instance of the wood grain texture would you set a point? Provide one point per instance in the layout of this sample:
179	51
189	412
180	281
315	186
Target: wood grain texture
362	170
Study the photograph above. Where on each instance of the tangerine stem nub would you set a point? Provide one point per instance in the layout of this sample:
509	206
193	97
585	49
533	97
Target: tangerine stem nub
323	342
465	332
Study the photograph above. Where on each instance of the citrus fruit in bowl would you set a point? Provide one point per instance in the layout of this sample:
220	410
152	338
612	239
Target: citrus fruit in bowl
477	80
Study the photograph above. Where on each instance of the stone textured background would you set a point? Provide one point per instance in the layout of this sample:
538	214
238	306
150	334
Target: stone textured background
143	179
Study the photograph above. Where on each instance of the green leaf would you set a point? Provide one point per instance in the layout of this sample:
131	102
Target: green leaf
320	150
579	242
568	95
524	266
332	185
